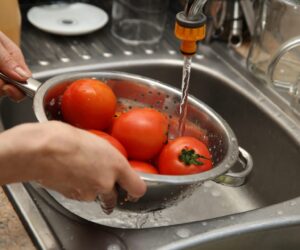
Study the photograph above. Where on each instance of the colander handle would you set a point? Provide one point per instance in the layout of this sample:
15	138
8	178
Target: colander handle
236	179
29	87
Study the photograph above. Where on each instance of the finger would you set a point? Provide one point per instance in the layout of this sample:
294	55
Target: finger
13	93
130	181
14	51
11	67
108	201
1	86
10	91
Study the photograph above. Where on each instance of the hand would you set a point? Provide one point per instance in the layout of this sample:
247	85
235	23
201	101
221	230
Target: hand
71	161
12	64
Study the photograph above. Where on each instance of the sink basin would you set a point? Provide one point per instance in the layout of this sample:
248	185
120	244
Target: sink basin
216	215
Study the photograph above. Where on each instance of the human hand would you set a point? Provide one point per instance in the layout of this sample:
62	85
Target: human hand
12	64
71	161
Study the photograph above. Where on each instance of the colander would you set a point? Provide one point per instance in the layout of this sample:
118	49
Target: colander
231	163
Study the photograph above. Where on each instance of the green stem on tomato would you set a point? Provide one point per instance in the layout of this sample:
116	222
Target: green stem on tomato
189	157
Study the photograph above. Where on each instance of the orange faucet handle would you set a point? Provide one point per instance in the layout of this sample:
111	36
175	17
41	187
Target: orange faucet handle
190	32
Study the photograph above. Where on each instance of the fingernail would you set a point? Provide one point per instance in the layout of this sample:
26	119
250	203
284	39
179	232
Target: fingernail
106	210
21	72
8	93
131	198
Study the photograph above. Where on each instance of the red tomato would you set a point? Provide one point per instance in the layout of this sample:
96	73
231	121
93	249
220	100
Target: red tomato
113	141
142	131
143	167
89	104
184	155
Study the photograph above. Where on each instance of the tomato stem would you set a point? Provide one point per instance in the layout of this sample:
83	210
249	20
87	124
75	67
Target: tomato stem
189	157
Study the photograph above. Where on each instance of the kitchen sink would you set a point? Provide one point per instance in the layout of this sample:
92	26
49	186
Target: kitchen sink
264	213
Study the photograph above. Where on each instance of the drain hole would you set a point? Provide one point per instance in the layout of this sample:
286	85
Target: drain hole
67	21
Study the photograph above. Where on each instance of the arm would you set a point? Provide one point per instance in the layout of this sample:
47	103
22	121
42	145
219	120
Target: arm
71	161
13	162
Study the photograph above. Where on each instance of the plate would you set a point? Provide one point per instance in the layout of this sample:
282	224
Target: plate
67	19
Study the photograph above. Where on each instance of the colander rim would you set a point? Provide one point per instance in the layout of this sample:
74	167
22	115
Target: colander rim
224	166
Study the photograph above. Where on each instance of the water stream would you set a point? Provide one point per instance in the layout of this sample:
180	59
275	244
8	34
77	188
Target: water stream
186	73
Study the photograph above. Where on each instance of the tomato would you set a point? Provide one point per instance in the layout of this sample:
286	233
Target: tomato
89	104
143	167
184	155
113	141
142	131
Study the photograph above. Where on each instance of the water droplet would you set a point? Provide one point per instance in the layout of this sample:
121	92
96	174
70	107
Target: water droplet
127	52
204	223
183	233
106	54
52	102
113	247
149	51
207	184
86	57
215	193
232	158
199	56
279	212
172	52
43	63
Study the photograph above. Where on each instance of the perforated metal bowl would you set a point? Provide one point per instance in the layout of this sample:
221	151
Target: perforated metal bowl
137	91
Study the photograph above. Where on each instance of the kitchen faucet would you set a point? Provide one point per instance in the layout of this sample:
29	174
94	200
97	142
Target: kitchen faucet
191	26
191	23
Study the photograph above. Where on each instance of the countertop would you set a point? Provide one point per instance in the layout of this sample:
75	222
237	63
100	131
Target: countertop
13	235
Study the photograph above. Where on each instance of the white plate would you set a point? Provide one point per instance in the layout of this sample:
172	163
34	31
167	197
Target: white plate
68	19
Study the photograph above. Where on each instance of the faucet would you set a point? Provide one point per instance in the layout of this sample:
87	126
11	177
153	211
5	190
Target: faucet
190	26
191	23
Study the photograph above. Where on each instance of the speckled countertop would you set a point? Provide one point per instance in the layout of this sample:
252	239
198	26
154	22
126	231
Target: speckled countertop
13	235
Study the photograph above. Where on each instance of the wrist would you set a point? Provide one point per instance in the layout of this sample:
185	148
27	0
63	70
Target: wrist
10	167
17	154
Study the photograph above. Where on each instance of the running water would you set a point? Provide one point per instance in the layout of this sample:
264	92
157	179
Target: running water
186	73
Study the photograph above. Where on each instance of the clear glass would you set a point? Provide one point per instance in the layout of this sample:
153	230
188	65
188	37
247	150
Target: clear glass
278	23
136	22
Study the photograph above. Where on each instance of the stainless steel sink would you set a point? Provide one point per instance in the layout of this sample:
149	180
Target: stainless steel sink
263	214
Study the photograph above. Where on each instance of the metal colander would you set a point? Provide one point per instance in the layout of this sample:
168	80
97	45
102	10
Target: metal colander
137	91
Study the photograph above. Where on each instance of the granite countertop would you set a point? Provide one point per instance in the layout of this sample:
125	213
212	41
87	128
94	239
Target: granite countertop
13	235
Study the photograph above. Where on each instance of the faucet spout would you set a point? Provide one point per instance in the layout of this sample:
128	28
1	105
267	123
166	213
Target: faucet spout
194	8
191	26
